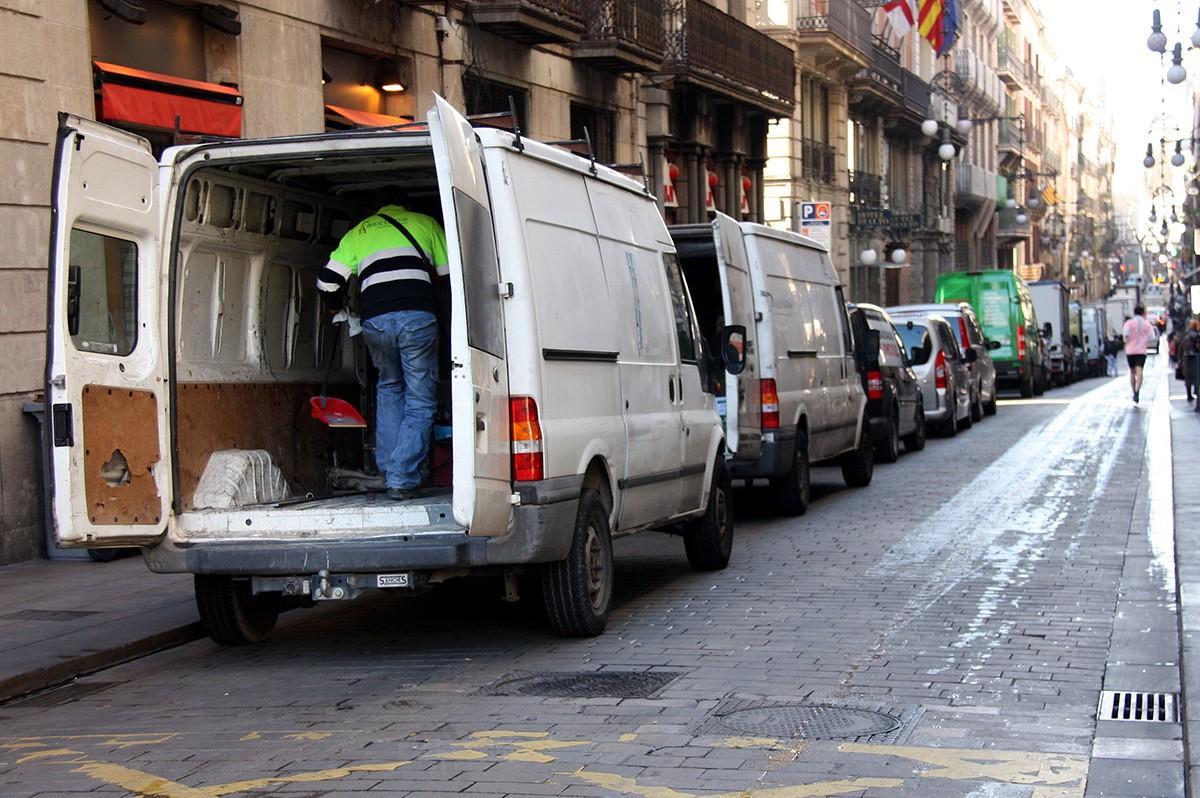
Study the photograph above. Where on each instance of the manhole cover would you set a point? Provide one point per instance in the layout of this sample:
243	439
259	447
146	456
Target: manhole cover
810	722
606	684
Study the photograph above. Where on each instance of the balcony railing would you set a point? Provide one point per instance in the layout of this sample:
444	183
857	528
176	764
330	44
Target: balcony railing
1008	62
623	35
974	185
714	49
866	189
1010	228
882	82
916	94
1010	134
532	21
816	161
846	20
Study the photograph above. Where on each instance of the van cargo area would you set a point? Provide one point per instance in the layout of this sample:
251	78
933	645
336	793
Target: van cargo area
252	342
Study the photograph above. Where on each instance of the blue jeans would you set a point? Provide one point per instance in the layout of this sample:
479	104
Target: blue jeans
403	346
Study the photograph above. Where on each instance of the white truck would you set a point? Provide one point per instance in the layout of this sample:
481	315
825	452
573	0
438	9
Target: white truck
186	337
1050	301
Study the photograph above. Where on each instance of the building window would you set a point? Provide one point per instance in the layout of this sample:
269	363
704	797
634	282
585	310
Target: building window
601	127
490	97
353	93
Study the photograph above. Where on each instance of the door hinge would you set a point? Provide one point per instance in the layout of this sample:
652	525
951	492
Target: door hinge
59	381
505	290
62	425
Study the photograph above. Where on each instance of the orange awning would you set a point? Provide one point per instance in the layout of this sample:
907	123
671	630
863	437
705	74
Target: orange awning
366	118
152	99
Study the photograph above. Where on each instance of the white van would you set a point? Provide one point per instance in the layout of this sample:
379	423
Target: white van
800	399
1095	334
186	338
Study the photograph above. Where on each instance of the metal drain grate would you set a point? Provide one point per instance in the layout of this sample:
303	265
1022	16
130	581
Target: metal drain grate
784	720
1149	707
59	696
46	615
603	684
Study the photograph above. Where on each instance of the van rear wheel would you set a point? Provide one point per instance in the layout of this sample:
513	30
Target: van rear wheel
231	614
915	440
708	540
889	445
1027	386
792	492
577	592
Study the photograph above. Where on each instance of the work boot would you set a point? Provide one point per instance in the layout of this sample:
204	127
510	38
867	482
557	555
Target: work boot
401	494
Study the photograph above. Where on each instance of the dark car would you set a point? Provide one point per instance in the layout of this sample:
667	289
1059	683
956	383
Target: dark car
895	407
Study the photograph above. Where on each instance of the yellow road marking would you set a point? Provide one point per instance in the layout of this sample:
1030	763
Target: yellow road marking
48	753
627	738
527	746
139	782
628	786
297	778
752	742
250	736
307	735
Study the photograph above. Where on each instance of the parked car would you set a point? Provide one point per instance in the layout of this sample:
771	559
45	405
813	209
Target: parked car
966	329
894	402
808	405
1002	303
940	366
190	393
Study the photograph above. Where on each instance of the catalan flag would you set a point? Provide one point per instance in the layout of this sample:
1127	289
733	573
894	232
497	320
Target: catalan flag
1049	195
930	23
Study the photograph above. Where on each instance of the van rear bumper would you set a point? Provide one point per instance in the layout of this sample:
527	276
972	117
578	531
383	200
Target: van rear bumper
775	461
541	532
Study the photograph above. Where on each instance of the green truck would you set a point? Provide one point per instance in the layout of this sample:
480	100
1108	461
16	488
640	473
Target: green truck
1002	302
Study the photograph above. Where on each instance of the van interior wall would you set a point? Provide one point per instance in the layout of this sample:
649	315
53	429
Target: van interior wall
704	284
253	338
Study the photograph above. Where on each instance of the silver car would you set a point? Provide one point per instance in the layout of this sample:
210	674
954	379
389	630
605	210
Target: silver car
941	368
962	320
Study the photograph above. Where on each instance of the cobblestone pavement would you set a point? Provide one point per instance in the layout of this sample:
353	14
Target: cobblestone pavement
974	595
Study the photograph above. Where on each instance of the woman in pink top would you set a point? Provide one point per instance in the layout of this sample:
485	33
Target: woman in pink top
1138	333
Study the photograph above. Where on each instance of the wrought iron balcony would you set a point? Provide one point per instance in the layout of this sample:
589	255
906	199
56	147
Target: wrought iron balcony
1011	137
916	95
816	161
531	21
711	49
866	189
881	84
974	186
840	29
622	35
1010	228
1010	66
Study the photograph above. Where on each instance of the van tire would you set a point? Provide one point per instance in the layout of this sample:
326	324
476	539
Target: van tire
792	493
989	407
1027	386
231	614
859	466
889	448
977	408
577	592
915	440
708	540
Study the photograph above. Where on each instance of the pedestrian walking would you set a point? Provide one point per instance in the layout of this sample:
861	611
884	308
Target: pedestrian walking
1189	355
1111	347
1138	334
400	258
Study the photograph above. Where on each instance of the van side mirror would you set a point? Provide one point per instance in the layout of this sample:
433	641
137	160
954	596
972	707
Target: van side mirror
993	344
74	279
970	356
733	348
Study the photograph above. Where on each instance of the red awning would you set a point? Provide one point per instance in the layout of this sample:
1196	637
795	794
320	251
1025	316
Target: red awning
151	99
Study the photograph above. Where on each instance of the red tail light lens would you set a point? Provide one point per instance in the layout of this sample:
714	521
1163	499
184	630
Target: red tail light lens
874	385
939	371
526	439
963	336
770	405
1021	343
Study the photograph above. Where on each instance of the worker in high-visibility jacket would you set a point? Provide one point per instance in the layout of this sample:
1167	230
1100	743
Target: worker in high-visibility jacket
398	256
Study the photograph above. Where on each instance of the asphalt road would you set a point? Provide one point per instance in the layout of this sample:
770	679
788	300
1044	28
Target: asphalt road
945	632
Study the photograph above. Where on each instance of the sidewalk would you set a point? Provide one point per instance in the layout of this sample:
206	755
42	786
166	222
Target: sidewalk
1185	460
63	618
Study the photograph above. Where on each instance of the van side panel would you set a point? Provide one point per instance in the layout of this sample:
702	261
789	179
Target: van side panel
645	332
562	316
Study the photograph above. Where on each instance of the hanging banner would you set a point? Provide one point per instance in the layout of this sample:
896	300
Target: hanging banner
710	199
670	174
744	204
816	222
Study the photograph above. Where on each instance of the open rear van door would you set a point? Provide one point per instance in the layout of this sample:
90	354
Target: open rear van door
109	481
743	403
479	373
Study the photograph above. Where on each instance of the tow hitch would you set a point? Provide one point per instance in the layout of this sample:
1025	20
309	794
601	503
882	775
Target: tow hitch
324	586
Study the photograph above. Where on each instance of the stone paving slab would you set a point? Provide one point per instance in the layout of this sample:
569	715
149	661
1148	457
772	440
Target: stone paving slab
65	618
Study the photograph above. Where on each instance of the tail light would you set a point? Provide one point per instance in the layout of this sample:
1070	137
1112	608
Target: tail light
939	371
874	385
962	330
770	405
526	439
1021	343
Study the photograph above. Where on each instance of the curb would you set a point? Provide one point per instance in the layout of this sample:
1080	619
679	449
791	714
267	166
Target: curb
41	678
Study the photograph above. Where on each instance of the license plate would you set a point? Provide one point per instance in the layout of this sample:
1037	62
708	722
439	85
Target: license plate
393	580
